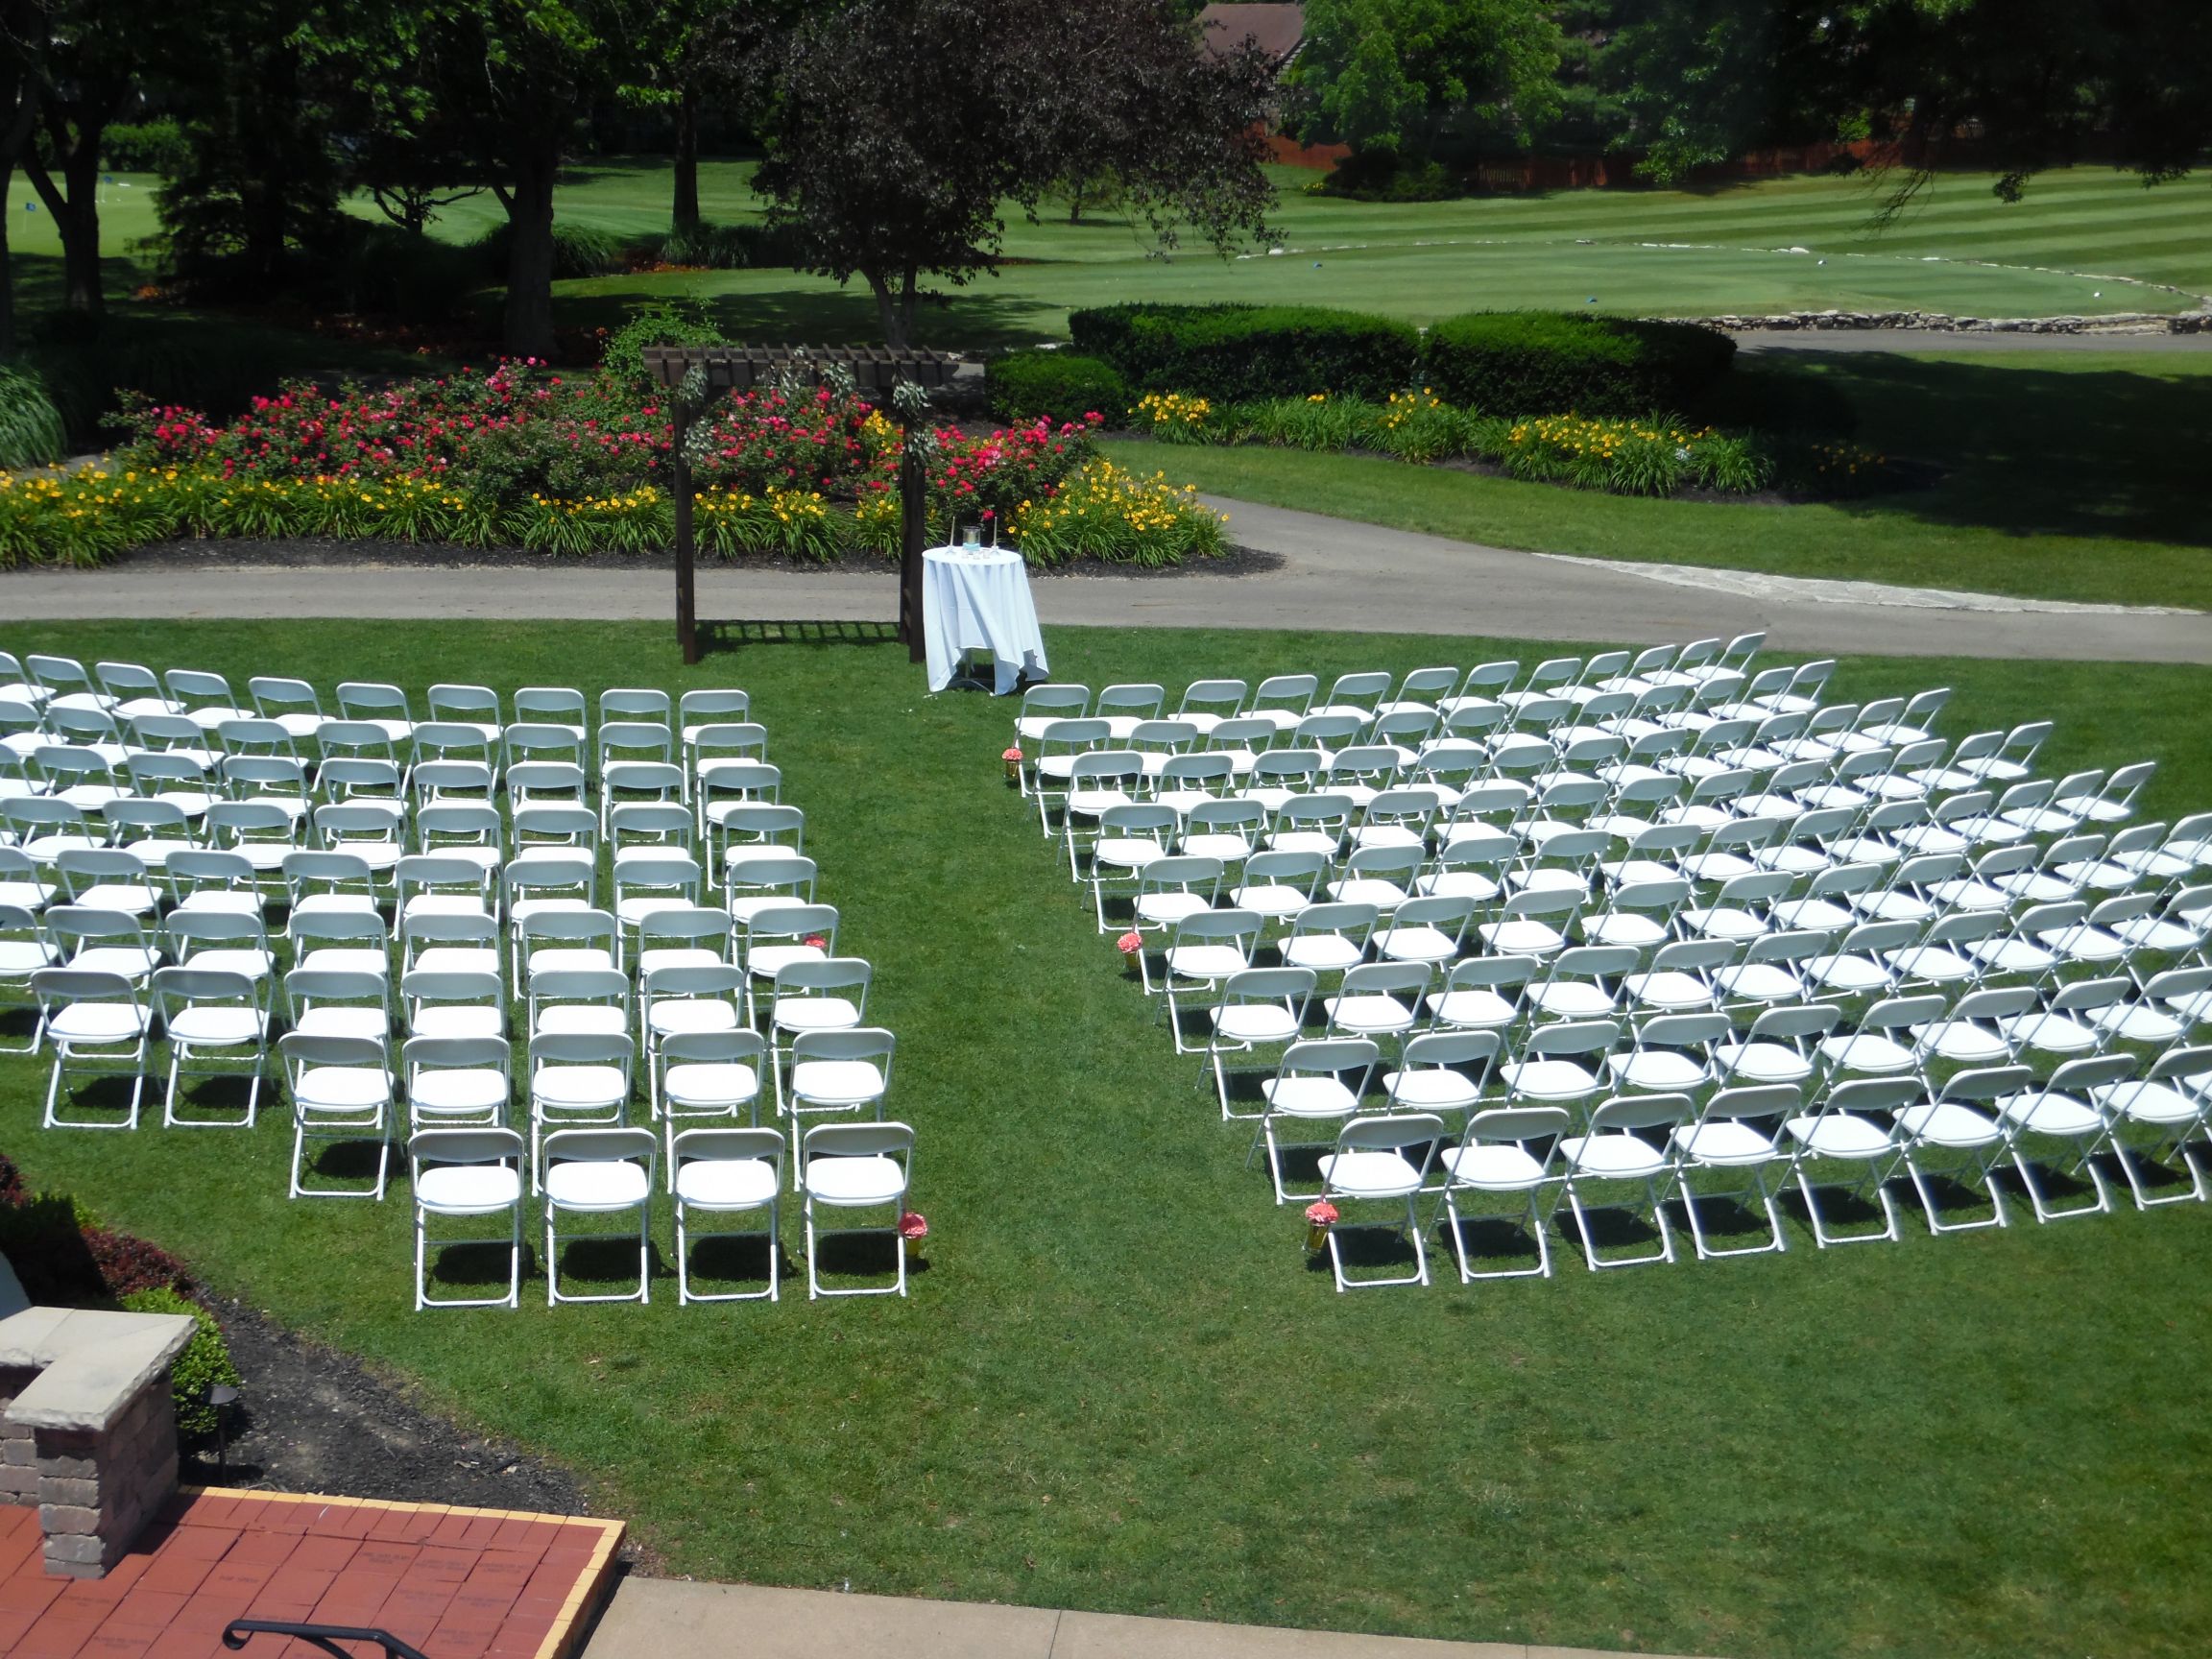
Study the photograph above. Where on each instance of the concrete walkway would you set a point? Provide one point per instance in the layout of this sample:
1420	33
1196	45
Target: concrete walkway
676	1619
1335	574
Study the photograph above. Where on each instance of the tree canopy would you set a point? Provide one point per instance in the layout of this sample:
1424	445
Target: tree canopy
1398	74
899	130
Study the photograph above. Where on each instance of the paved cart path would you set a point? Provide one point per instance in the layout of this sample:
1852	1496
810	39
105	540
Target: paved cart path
1333	575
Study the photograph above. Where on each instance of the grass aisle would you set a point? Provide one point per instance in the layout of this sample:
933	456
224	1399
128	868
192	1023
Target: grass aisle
1119	1387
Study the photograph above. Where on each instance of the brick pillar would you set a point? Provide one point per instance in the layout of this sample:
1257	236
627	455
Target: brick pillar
97	1490
18	1461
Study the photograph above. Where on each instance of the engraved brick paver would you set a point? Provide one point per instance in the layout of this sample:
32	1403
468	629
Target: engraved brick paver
458	1583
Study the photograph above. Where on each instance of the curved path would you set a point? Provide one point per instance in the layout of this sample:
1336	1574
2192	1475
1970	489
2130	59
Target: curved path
1334	574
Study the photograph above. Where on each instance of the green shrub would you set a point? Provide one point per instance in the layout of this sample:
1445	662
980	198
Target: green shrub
155	146
391	271
578	251
1528	362
1231	354
730	247
204	1362
1056	386
30	429
662	322
1420	427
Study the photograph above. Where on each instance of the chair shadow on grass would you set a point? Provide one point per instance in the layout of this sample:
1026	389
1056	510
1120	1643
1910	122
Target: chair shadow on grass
477	1269
723	1262
871	1254
221	1099
1493	1243
1379	1247
733	634
108	1093
1614	1225
330	1162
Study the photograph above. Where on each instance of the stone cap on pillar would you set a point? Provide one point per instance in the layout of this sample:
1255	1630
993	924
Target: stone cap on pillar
91	1363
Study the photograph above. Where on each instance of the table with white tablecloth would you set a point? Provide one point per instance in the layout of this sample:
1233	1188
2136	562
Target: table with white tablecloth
977	599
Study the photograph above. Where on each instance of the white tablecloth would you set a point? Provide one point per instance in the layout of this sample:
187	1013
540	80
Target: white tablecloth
977	599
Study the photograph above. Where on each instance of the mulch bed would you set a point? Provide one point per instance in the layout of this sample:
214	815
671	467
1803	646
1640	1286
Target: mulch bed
310	552
313	1420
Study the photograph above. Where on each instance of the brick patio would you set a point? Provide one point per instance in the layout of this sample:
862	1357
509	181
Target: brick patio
452	1582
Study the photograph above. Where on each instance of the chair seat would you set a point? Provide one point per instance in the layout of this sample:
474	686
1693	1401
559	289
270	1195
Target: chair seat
1725	1143
1611	1157
1228	848
597	1187
854	1182
1460	885
2057	1114
1205	961
1866	1051
342	1021
131	961
1853	975
579	1088
1416	945
1839	1135
766	961
1369	1175
1500	1169
21	957
704	1084
1571	999
2155	933
815	1014
218	1026
1623	927
1309	1097
1548	1079
1731	922
2012	955
341	1088
459	1021
725	1182
1368	890
1432	1088
350	959
2158	1104
467	1188
2137	1023
677	1017
1669	988
2058	1033
1470	1010
836	1082
1965	1042
1760	982
1125	852
129	898
1657	1070
98	1022
1762	1063
1272	899
579	1019
1934	964
453	1090
1322	953
1948	1123
1253	1023
1375	1012
1522	936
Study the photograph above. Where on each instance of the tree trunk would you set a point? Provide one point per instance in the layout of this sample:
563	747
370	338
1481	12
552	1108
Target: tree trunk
686	211
895	310
527	327
75	204
7	264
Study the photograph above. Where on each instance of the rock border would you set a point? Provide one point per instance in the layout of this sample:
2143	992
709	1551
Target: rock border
1941	323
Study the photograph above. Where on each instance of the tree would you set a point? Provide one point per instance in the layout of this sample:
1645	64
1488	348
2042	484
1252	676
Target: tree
18	119
83	61
691	46
1399	76
2015	84
508	81
899	130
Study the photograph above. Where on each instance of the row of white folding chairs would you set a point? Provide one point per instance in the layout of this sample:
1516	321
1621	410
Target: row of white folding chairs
1667	1143
42	683
714	1176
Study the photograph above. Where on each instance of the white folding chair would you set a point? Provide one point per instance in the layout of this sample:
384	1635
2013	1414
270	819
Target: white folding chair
1852	1126
1611	1151
718	1173
217	1023
1316	1082
2062	1109
457	1082
1255	1008
98	1028
1726	1136
2170	1102
466	1174
599	1172
1380	1161
1962	1118
341	1092
1494	1156
854	1166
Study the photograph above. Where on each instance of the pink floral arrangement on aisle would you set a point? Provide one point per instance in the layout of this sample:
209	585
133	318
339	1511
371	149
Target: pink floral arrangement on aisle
1131	943
913	1224
817	941
1321	1212
1012	753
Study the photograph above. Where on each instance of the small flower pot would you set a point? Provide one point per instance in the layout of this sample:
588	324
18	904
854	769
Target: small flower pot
913	1248
1316	1237
1013	770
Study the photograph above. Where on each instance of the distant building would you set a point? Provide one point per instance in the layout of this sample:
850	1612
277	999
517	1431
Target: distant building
1280	32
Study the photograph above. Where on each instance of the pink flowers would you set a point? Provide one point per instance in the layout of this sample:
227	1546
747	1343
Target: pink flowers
1130	943
1012	752
817	941
913	1224
1321	1213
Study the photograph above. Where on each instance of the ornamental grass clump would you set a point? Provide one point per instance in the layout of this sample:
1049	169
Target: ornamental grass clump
1420	426
1647	457
1175	418
1316	422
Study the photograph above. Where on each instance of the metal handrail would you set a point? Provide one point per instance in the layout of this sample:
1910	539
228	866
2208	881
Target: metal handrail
322	1636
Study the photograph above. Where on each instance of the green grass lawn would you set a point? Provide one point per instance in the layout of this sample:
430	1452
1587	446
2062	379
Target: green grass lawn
2085	240
2066	476
1119	1386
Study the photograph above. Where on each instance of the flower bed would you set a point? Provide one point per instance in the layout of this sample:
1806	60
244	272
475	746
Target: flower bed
1649	456
521	456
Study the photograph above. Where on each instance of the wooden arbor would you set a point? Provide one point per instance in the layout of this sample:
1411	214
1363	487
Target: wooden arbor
741	367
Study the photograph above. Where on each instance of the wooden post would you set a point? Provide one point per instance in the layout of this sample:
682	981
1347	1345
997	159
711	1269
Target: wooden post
686	598
913	518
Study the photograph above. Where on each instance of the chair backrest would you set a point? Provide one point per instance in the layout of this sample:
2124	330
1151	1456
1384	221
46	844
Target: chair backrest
1986	1083
552	705
886	1140
458	1054
1393	1133
604	1146
1454	1050
428	1148
729	1146
1291	985
821	977
1332	1057
1894	1012
739	1047
303	1049
1753	1100
1624	1114
1794	1024
1572	1036
1063	696
2089	1071
1516	1124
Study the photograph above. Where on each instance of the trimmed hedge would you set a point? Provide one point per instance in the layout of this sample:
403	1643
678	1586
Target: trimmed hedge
1057	386
1231	352
1525	361
204	1362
